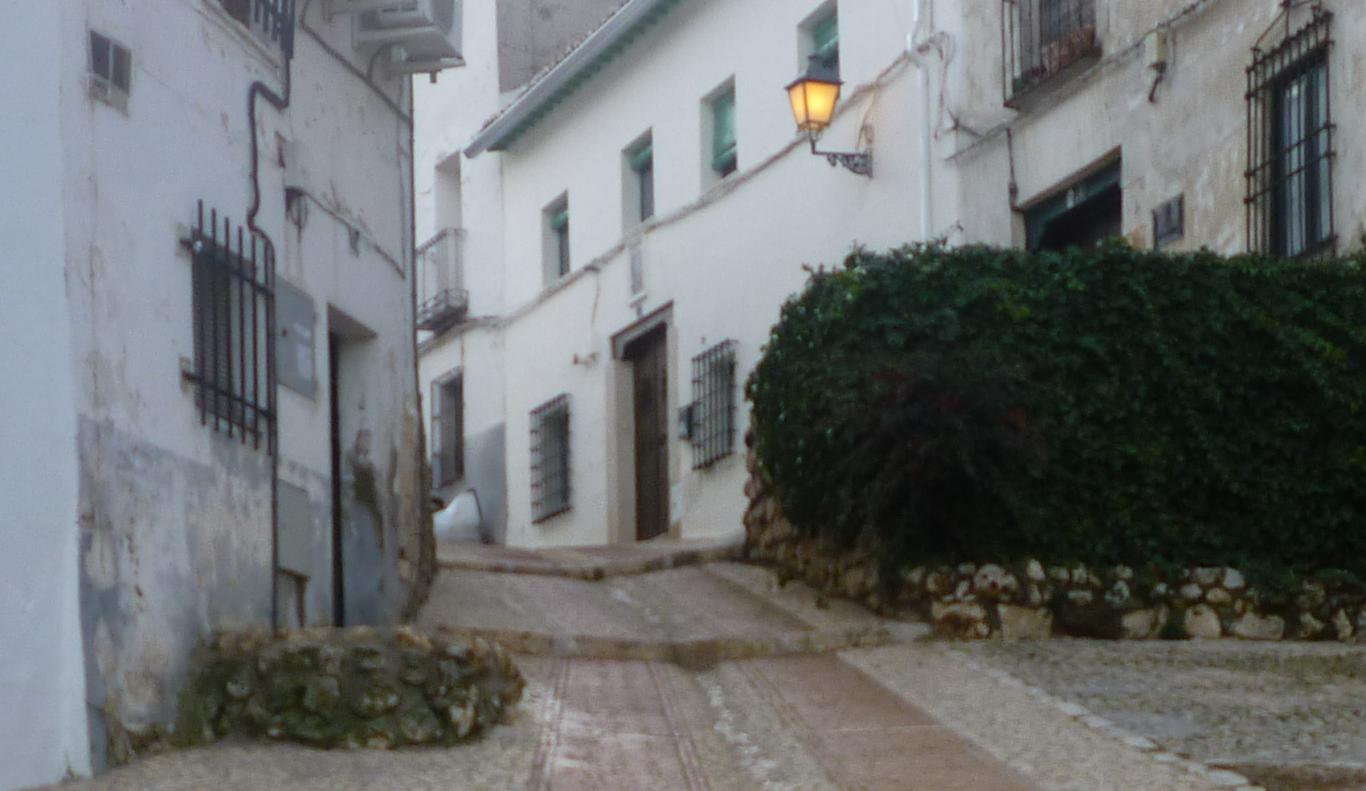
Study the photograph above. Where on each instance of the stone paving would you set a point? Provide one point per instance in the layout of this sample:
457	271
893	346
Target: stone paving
1291	713
898	713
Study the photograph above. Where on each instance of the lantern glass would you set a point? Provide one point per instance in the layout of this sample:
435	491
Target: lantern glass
813	103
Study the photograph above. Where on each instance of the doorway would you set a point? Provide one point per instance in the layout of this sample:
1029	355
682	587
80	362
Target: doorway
649	360
338	517
1082	215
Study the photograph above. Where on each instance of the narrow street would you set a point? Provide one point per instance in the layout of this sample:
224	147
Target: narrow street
702	675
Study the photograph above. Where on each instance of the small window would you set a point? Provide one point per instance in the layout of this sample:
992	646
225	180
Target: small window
556	220
724	149
1082	215
825	40
1290	174
270	20
550	470
712	414
233	345
110	71
638	187
448	429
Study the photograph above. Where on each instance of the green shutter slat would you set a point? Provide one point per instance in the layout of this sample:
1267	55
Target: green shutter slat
643	158
723	126
559	220
825	36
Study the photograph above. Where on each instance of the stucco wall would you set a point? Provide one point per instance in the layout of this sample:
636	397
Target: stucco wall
176	519
1191	141
42	688
723	258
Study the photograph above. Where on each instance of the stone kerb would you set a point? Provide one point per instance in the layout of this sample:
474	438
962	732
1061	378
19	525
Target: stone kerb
1032	600
354	688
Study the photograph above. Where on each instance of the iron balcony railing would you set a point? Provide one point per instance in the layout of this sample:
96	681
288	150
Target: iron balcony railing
1042	38
444	302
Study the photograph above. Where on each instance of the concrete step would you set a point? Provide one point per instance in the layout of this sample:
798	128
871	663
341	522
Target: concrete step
589	563
695	616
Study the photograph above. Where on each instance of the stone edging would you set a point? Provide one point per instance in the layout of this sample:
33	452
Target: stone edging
1222	778
1029	600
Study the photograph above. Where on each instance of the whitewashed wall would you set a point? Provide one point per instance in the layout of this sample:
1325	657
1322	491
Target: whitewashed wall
725	258
176	533
42	685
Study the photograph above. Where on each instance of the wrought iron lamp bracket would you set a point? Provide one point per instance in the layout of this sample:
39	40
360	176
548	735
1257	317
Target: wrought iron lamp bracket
860	163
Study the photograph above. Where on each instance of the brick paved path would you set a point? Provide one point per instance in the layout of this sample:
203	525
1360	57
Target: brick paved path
692	678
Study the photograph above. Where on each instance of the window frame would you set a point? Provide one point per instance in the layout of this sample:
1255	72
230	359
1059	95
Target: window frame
711	418
110	81
557	251
725	149
232	300
551	460
1303	53
448	429
638	188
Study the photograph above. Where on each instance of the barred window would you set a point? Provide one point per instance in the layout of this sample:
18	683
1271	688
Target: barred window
448	429
712	414
1042	38
1290	144
234	340
550	470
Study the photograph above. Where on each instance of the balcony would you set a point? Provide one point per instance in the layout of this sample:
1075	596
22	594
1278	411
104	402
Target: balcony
1044	39
443	300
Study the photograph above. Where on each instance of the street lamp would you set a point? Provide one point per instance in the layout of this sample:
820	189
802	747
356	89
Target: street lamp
814	96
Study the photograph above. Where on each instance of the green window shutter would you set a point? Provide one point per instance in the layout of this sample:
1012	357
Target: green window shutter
723	132
559	220
644	158
825	39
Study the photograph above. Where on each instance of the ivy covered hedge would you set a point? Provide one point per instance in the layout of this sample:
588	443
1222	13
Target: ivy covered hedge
1108	406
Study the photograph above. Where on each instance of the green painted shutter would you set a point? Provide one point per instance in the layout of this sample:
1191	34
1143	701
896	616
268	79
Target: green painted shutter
559	220
723	132
825	39
644	158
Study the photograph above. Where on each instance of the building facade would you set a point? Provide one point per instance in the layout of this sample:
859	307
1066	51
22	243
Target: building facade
657	208
211	413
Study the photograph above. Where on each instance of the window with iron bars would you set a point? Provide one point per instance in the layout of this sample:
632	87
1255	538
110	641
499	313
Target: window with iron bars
234	340
448	429
272	20
1041	38
550	470
712	414
1290	144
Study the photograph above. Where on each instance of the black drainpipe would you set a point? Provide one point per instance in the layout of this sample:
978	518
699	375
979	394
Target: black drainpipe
280	101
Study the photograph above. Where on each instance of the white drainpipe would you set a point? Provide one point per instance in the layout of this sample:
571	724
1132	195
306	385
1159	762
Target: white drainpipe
915	49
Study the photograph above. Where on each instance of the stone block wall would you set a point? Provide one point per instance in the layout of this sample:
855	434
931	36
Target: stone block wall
1034	600
355	688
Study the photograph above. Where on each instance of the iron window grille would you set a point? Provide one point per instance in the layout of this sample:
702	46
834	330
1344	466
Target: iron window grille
1290	144
233	294
1042	38
712	414
550	457
448	429
272	20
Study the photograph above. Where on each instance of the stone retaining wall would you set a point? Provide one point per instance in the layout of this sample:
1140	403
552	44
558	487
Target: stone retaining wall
352	688
1032	600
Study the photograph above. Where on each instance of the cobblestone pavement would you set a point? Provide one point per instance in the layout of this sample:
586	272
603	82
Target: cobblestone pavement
904	715
1292	714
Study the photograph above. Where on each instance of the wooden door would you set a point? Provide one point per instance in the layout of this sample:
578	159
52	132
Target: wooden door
650	372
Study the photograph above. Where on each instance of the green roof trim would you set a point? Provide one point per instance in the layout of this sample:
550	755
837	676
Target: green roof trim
578	68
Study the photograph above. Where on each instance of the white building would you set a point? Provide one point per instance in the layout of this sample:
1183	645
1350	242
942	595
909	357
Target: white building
210	415
656	208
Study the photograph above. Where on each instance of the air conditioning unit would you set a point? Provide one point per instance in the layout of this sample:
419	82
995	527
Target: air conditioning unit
426	31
